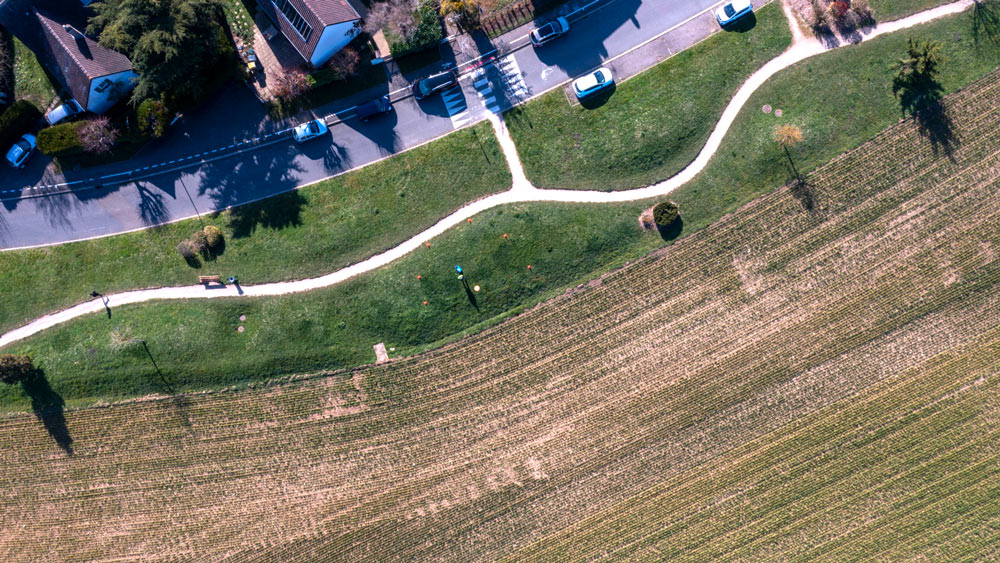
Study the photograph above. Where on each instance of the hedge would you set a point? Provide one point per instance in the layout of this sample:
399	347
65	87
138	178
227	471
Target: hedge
61	140
19	118
427	34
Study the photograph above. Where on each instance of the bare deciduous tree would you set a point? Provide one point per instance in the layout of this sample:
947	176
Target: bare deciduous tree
98	135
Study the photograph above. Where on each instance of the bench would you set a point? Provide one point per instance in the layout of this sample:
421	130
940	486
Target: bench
205	280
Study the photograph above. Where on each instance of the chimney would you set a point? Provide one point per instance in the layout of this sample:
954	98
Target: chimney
73	31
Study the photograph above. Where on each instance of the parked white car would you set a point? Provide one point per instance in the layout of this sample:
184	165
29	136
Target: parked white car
732	11
309	130
69	109
22	149
593	83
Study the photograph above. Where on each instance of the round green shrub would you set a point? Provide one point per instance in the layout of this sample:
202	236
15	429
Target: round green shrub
152	118
14	368
665	213
213	236
185	249
198	241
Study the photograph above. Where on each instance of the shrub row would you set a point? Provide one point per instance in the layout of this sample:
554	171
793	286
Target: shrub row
61	140
206	242
19	118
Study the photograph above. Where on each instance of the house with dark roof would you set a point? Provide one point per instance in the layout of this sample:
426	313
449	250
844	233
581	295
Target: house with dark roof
95	76
317	29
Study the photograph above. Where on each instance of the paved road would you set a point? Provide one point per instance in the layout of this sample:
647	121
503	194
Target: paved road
230	153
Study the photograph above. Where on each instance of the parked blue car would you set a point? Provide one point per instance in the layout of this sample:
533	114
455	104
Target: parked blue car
733	11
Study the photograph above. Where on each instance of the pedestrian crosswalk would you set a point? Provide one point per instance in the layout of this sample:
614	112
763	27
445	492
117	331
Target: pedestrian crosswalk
505	91
458	109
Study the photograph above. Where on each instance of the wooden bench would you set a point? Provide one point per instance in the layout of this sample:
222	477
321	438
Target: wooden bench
205	280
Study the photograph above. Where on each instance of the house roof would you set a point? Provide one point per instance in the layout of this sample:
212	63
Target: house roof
317	13
73	59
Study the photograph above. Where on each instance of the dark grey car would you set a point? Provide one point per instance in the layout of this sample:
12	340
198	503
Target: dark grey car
435	83
375	107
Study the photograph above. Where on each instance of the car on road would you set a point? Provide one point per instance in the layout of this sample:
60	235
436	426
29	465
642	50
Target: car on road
22	149
435	83
732	11
542	35
67	110
309	130
595	82
375	107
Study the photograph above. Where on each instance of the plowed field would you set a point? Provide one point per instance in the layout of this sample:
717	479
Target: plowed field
814	376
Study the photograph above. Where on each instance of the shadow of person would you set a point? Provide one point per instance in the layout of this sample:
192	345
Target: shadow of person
48	408
470	294
673	230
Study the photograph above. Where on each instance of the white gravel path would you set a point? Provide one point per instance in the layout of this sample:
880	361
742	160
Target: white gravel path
521	191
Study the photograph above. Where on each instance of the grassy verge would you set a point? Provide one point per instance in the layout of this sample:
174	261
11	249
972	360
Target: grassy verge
653	125
888	10
303	233
31	82
840	99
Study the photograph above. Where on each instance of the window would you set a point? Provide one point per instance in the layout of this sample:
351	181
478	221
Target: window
104	85
294	18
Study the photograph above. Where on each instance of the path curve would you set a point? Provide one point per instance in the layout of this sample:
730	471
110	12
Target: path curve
521	191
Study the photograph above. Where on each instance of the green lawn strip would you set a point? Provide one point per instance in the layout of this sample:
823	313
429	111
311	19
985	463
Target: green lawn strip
840	99
31	82
196	343
653	125
304	233
888	10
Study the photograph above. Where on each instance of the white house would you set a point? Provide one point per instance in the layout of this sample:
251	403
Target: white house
317	29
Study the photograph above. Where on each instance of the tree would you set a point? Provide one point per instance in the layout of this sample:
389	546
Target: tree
14	368
915	82
292	84
172	43
98	135
466	12
788	136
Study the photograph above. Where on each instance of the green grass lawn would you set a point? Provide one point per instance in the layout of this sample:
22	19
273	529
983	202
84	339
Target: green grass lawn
303	233
888	10
653	125
840	99
31	82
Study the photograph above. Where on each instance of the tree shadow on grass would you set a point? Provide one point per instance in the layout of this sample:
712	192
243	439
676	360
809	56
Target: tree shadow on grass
671	231
48	407
277	212
986	21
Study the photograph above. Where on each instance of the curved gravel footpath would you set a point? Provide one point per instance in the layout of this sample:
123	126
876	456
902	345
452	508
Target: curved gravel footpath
521	191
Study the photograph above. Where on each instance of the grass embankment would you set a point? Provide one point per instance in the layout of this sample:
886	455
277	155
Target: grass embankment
784	385
840	99
888	10
31	82
653	125
304	233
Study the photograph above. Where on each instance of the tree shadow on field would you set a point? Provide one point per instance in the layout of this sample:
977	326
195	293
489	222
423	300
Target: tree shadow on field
48	408
935	125
802	191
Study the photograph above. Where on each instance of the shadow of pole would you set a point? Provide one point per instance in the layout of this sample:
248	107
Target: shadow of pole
470	294
48	408
179	400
